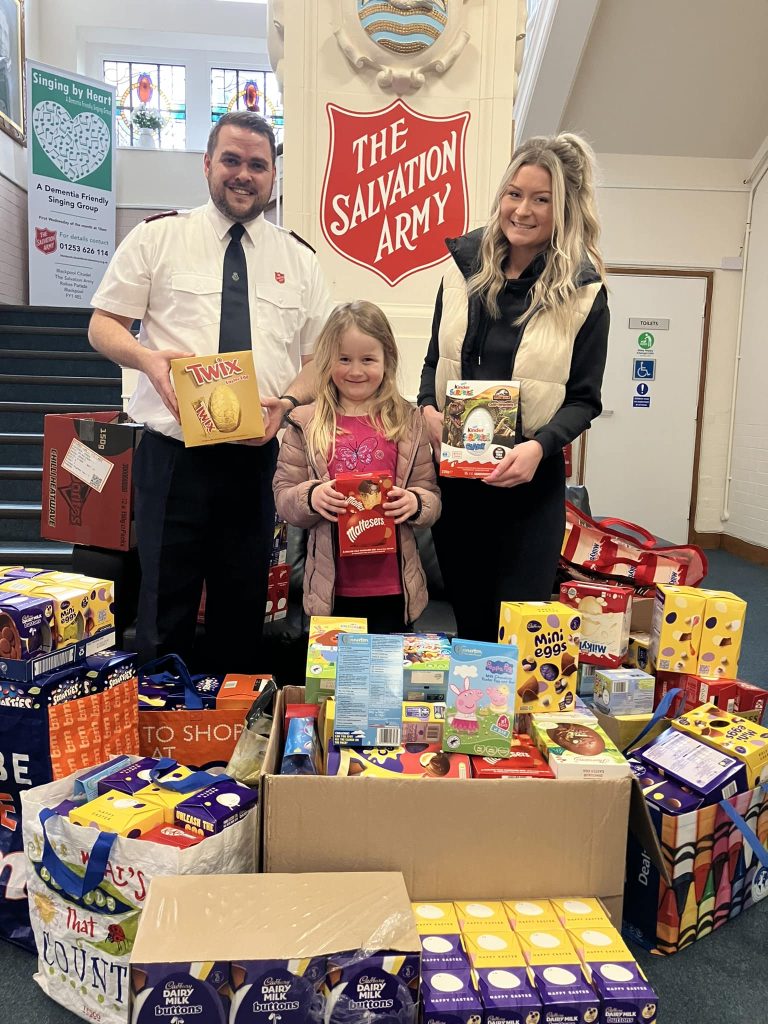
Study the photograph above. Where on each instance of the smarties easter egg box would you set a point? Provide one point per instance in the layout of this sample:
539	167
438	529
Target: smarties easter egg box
479	426
422	828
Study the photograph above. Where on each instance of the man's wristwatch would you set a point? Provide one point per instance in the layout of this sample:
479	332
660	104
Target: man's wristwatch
294	403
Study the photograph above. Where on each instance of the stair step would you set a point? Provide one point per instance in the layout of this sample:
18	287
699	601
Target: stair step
20	509
20	520
21	483
55	407
39	353
57	379
29	416
64	339
53	316
43	554
21	449
21	472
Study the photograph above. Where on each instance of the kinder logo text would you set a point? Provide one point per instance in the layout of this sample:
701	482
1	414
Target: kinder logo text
222	369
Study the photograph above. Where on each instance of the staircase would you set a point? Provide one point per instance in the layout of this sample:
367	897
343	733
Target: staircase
46	366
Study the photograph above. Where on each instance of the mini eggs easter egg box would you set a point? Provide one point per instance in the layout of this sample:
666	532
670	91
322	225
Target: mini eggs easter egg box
479	426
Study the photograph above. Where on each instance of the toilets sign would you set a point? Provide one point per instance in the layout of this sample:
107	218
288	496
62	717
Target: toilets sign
395	187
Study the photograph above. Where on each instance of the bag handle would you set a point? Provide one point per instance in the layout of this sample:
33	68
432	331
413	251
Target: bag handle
757	848
75	885
650	540
174	664
661	712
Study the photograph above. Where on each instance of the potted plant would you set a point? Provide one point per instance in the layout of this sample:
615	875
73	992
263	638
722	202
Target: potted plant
147	121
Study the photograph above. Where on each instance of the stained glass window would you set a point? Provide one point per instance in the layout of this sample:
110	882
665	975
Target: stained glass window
238	89
149	97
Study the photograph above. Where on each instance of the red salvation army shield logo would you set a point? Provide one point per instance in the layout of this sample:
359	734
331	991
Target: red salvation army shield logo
395	187
45	240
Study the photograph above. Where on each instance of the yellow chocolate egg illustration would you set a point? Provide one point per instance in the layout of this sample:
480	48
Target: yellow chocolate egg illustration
224	408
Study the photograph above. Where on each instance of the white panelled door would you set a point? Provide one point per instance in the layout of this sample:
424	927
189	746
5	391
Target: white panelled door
639	452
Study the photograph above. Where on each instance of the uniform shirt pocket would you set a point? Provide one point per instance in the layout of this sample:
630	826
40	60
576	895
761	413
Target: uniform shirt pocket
280	311
195	299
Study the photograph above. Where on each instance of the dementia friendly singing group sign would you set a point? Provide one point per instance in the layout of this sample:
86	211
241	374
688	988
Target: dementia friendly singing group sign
71	182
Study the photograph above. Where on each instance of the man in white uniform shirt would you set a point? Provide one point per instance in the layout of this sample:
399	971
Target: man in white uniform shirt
206	514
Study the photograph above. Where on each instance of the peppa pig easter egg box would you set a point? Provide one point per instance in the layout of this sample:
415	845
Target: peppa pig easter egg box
479	426
480	699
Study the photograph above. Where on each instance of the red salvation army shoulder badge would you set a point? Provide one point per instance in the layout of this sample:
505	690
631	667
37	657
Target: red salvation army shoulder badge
45	240
395	187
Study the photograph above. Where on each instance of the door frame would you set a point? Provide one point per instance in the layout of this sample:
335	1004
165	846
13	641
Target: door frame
709	277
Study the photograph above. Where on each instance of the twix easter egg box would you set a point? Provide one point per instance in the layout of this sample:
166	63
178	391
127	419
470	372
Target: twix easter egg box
218	398
721	634
480	699
676	628
606	614
547	635
363	527
479	425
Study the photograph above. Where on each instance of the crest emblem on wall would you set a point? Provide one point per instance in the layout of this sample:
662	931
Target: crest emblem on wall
402	39
395	187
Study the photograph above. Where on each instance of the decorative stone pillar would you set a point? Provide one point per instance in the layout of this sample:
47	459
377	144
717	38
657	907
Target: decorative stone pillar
398	124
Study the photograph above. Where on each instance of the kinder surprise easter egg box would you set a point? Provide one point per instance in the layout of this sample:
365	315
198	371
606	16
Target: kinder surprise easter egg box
479	424
363	527
481	698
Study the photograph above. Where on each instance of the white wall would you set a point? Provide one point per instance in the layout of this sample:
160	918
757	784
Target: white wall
749	471
685	212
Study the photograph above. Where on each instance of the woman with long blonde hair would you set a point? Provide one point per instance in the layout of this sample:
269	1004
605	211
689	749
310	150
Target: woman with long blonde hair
359	426
524	299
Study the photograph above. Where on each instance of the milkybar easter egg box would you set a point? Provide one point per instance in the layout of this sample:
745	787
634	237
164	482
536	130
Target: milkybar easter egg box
676	628
721	633
606	613
363	527
547	637
218	398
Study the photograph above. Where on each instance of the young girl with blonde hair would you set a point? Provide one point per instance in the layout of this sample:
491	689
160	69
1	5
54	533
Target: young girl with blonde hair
359	424
522	298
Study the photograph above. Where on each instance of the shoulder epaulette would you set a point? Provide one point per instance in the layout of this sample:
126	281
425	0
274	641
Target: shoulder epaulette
303	241
157	216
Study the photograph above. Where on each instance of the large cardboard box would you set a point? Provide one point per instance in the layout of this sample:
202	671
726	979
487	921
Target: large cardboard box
451	838
206	944
87	479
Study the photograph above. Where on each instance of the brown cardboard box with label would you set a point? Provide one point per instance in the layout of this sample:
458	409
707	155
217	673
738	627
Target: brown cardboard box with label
451	838
87	479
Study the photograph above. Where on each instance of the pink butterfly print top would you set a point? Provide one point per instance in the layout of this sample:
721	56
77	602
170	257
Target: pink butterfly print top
361	449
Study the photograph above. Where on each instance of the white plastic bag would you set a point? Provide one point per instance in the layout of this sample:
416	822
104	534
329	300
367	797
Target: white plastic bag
86	893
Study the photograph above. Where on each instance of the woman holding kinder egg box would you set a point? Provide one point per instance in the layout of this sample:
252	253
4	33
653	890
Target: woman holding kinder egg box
359	425
522	299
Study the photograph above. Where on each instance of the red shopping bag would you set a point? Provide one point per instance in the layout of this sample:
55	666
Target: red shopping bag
598	550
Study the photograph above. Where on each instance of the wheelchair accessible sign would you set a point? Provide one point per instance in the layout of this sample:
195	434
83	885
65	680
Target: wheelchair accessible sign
643	370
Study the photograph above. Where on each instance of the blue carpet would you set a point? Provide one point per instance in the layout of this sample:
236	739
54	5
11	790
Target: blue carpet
720	980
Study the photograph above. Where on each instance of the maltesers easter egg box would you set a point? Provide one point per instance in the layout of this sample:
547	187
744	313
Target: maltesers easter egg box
363	527
479	426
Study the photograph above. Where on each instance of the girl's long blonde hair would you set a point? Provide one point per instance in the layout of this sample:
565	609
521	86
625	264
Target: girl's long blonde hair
575	233
388	412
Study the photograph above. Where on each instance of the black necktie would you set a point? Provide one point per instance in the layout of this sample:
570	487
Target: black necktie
235	328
